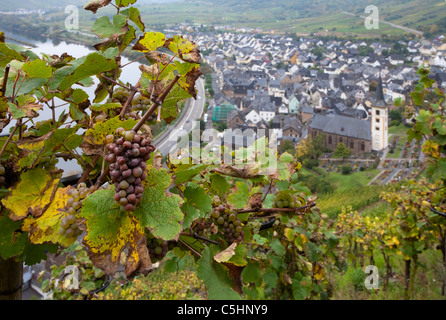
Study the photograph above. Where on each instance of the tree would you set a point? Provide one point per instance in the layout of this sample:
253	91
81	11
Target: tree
286	146
341	151
396	116
310	148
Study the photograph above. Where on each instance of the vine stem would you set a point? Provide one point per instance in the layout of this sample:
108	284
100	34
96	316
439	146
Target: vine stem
271	210
196	236
18	125
156	104
5	79
190	248
88	170
133	91
116	82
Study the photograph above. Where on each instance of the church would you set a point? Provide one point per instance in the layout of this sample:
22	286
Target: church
361	136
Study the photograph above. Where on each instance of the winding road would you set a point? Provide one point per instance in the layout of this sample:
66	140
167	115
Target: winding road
192	111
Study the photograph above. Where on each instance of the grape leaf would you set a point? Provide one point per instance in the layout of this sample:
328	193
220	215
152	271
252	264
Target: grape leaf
103	28
184	173
133	14
79	96
94	5
37	69
12	243
252	272
7	54
197	204
124	3
31	195
239	196
94	64
46	227
110	231
215	278
150	41
159	209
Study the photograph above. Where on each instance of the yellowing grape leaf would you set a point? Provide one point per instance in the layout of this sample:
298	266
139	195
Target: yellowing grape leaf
46	227
150	41
110	231
31	195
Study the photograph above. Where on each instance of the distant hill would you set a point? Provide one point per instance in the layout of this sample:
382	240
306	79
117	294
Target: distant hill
300	16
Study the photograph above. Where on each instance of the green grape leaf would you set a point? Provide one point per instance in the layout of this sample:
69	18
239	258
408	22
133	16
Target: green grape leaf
440	126
252	272
103	28
124	3
169	110
133	14
150	41
105	107
37	69
159	209
7	55
215	278
239	196
35	253
187	82
110	231
31	195
277	247
301	287
94	64
219	185
12	242
79	96
285	166
184	173
15	111
197	204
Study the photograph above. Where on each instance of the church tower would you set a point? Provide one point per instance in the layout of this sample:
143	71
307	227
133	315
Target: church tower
380	117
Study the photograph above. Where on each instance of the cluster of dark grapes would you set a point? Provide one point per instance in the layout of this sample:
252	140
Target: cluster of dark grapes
68	225
227	221
158	248
127	156
2	175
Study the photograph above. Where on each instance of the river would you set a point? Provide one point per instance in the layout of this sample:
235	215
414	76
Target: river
130	74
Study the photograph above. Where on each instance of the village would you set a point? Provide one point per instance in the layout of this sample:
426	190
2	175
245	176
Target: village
306	86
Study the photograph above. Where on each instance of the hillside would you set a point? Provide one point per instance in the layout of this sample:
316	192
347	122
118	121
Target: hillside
301	16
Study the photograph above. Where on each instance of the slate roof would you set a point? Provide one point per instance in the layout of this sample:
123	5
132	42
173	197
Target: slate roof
344	126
